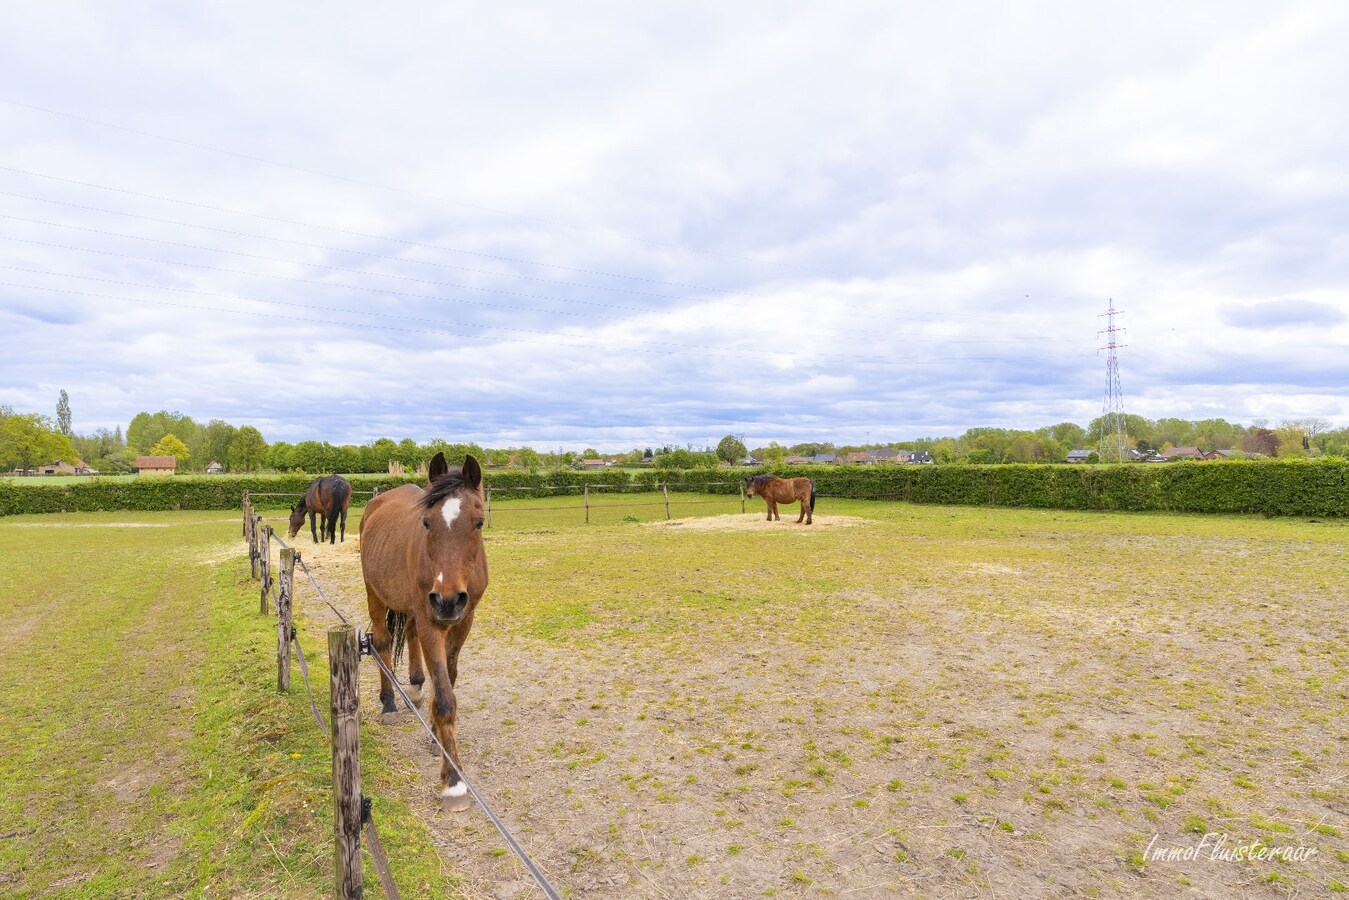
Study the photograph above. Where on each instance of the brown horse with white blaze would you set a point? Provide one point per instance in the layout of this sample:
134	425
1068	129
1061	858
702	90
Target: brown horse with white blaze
775	490
425	569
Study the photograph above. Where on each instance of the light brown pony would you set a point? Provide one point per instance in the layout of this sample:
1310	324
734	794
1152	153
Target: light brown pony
425	569
775	490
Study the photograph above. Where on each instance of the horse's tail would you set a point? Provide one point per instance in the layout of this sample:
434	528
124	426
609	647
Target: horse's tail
341	492
812	495
398	624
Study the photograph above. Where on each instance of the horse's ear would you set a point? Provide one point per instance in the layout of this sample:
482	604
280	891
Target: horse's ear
472	472
438	468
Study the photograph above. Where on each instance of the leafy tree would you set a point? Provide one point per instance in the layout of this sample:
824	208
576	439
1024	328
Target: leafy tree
411	455
279	456
455	454
1070	434
247	450
731	450
773	454
590	453
30	439
217	439
1261	440
810	449
146	429
312	457
686	459
63	414
530	459
171	445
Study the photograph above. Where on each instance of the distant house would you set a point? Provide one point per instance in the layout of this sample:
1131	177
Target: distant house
796	460
156	465
887	455
919	457
1079	456
591	465
214	468
822	458
63	468
1171	454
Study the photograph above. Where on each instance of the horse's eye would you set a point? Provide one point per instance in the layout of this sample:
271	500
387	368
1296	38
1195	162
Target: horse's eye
426	523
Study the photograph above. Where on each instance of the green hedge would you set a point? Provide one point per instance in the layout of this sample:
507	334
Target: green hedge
168	493
1271	487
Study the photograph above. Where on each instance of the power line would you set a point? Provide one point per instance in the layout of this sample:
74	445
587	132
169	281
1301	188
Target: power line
1113	447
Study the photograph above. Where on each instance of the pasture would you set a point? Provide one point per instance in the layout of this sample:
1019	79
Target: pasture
897	699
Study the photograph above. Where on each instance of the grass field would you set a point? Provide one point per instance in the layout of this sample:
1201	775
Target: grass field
144	749
898	699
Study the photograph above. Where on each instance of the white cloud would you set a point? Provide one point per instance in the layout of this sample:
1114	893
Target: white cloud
907	220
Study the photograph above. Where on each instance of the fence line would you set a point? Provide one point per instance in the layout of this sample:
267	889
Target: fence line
352	809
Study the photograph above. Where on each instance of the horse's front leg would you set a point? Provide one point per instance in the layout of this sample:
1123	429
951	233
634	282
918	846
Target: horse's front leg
416	672
773	511
313	525
454	643
379	628
444	715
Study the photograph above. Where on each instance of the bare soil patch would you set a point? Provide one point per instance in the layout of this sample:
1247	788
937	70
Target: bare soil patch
941	703
750	522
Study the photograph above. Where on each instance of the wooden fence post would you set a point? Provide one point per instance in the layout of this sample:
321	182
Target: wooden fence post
342	661
285	587
265	564
742	498
246	507
489	507
252	542
665	489
587	503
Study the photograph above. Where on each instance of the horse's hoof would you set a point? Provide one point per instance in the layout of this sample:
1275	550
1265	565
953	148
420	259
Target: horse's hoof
414	693
389	718
455	799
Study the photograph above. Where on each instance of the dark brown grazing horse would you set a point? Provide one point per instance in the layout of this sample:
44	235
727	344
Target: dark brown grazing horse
775	490
425	569
325	500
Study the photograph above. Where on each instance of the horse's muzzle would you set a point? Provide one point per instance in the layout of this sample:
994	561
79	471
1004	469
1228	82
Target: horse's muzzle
448	610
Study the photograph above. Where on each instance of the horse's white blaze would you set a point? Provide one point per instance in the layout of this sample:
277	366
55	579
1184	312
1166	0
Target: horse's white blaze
450	510
440	576
454	790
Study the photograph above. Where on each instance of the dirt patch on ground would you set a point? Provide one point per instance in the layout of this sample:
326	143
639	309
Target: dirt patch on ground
894	713
749	522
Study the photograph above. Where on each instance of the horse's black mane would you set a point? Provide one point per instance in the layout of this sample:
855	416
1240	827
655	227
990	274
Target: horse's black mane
761	479
444	487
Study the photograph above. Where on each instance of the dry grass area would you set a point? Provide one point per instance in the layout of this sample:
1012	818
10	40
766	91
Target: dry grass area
899	700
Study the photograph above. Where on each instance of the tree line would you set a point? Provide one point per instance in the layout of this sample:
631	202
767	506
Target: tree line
28	440
1052	443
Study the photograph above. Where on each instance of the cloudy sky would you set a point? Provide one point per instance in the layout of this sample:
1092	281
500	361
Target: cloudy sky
619	225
